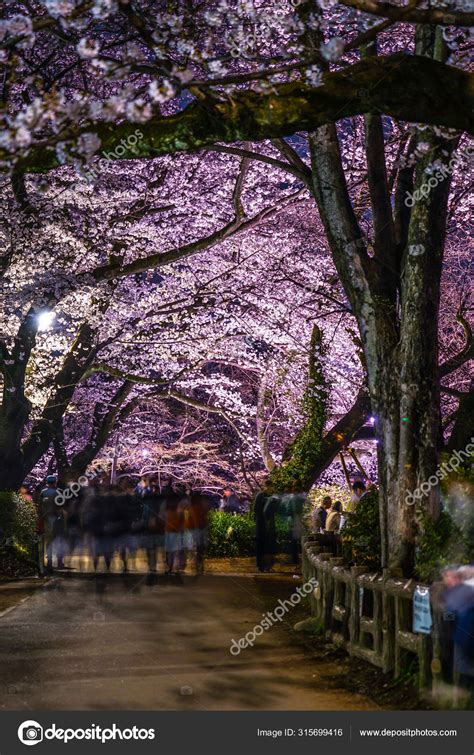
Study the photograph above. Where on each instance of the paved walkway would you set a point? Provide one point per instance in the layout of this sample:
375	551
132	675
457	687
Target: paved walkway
115	643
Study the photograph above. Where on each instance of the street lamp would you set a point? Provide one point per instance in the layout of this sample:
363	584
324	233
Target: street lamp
46	319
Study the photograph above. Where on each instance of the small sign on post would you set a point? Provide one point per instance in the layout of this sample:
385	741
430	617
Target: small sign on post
422	620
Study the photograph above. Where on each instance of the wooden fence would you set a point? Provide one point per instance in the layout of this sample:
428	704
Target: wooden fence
369	614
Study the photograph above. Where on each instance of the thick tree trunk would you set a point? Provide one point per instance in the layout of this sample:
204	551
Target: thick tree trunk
15	408
17	459
394	294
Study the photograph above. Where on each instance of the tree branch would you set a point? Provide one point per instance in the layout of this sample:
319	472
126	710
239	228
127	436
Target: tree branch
103	424
304	176
462	431
201	405
237	225
431	16
466	353
407	87
122	374
384	230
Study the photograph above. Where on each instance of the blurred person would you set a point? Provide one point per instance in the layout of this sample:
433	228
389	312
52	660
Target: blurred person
95	519
25	493
358	491
188	538
260	528
132	524
143	488
53	523
174	531
86	508
334	518
444	596
266	506
295	502
116	512
127	486
154	524
320	514
198	516
229	502
272	507
74	531
459	602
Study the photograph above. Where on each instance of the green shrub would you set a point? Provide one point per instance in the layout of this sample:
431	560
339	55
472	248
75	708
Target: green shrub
361	533
449	540
439	544
458	490
231	535
17	535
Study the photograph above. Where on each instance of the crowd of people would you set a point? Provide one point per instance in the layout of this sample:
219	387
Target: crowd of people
169	525
105	520
329	517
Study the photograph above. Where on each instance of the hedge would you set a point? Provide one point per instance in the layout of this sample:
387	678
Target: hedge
234	535
18	538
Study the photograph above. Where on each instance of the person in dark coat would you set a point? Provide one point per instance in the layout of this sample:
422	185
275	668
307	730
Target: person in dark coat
95	522
198	516
230	502
295	504
458	603
53	517
265	508
320	515
260	529
154	522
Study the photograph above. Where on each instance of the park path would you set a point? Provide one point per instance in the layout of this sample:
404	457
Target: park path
116	643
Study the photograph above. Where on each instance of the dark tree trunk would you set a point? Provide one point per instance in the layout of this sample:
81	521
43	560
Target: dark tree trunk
394	294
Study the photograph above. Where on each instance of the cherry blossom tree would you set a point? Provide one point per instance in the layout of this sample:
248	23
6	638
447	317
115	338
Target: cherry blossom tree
360	107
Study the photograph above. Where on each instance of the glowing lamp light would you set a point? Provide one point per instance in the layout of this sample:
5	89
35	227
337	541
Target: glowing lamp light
145	453
45	320
372	420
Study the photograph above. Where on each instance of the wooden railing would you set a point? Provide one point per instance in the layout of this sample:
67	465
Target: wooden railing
368	614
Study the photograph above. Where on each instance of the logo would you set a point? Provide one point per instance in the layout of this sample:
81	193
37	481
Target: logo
30	733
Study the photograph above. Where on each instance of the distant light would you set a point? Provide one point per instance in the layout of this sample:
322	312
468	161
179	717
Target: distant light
404	419
145	453
372	420
45	320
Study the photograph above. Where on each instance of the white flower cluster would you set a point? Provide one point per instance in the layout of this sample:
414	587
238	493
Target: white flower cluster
333	50
58	8
88	49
